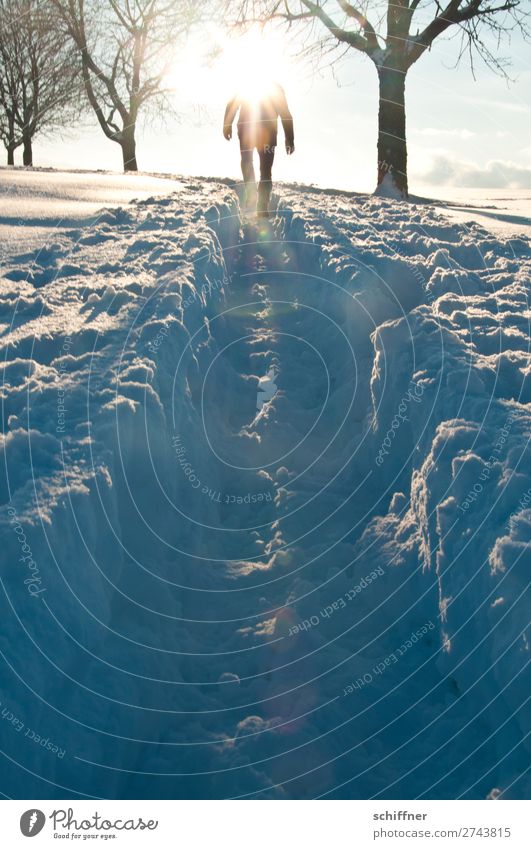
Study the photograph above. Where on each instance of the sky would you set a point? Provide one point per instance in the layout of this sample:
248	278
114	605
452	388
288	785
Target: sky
461	131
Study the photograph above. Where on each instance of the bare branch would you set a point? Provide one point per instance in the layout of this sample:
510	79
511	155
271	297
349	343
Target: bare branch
354	39
367	27
456	12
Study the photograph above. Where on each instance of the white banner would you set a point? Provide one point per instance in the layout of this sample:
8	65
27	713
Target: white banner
267	824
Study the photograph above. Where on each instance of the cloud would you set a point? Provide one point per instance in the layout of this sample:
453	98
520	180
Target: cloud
437	132
492	105
495	175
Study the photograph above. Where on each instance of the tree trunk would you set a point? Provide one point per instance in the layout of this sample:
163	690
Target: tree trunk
27	153
11	144
392	146
128	144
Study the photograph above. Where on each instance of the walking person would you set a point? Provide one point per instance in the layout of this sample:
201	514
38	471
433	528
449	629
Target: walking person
257	130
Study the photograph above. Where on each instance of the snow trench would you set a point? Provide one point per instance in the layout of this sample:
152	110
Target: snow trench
266	503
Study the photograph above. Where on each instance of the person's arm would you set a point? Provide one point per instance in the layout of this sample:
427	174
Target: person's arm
287	121
230	114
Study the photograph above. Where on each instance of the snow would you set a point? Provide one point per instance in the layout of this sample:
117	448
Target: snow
505	212
265	502
36	202
388	188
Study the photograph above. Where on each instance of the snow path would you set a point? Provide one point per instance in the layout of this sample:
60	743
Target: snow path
317	595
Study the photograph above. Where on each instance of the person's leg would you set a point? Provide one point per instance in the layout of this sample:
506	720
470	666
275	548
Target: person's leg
249	178
267	155
248	167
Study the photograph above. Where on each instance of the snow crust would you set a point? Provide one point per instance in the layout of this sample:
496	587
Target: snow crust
209	593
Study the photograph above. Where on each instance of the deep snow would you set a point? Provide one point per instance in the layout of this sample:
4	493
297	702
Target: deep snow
266	503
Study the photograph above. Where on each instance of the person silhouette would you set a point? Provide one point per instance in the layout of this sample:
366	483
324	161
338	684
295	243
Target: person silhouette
259	111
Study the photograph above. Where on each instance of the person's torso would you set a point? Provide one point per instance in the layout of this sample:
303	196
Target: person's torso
259	119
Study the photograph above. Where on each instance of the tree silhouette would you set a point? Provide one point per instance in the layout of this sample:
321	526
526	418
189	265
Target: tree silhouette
39	76
397	35
126	48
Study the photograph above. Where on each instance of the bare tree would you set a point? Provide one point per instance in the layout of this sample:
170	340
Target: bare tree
10	134
38	74
126	48
397	36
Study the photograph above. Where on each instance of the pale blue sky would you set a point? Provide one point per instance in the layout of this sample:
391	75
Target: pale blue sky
461	131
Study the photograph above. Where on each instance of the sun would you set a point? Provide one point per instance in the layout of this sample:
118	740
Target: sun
252	63
222	66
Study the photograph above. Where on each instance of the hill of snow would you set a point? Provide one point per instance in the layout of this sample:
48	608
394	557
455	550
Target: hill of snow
266	503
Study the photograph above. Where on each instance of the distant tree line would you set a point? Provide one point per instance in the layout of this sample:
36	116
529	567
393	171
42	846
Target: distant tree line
39	75
60	58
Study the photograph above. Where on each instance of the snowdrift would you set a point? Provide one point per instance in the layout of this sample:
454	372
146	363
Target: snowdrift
266	504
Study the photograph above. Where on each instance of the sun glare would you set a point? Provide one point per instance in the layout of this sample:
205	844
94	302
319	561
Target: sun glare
247	65
251	64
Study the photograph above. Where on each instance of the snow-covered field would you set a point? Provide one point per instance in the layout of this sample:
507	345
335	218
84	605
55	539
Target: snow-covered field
506	212
36	203
266	503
